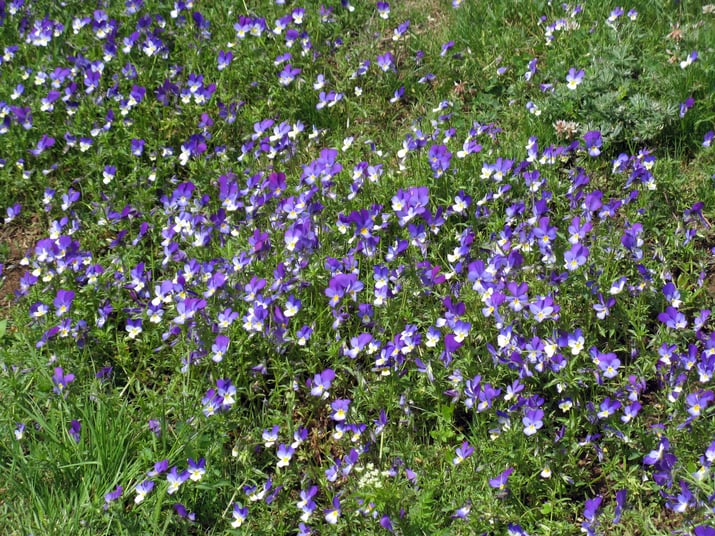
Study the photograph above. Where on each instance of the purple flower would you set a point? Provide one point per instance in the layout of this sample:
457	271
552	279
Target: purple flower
685	106
383	10
226	392
681	502
270	436
19	431
211	403
445	48
219	348
616	13
175	479
463	511
61	381
63	302
620	505
386	62
155	427
591	507
13	212
182	512
329	99
499	482
112	496
631	411
239	514
285	453
673	318
142	490
75	429
134	327
608	407
439	159
288	74
574	78
340	409
545	234
532	421
303	335
544	308
400	30
333	514
516	530
690	58
655	456
462	453
609	363
698	402
224	59
321	382
340	285
45	143
196	469
592	140
575	257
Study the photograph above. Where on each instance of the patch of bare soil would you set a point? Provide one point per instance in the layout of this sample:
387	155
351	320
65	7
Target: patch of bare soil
16	239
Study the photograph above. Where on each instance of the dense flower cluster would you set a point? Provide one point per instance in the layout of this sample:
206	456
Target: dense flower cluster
268	264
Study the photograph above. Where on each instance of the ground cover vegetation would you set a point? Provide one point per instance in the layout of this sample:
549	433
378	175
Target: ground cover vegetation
413	267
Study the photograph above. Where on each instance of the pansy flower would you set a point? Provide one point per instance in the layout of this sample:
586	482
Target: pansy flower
532	421
333	514
689	59
500	481
63	302
609	363
175	479
196	469
75	430
288	74
462	453
673	318
112	496
19	431
306	503
608	407
61	381
239	515
134	328
226	392
574	78
590	513
383	10
681	502
285	453
340	409
686	105
698	402
385	62
142	490
219	348
544	308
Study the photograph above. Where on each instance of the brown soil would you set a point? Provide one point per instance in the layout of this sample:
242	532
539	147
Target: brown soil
17	238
